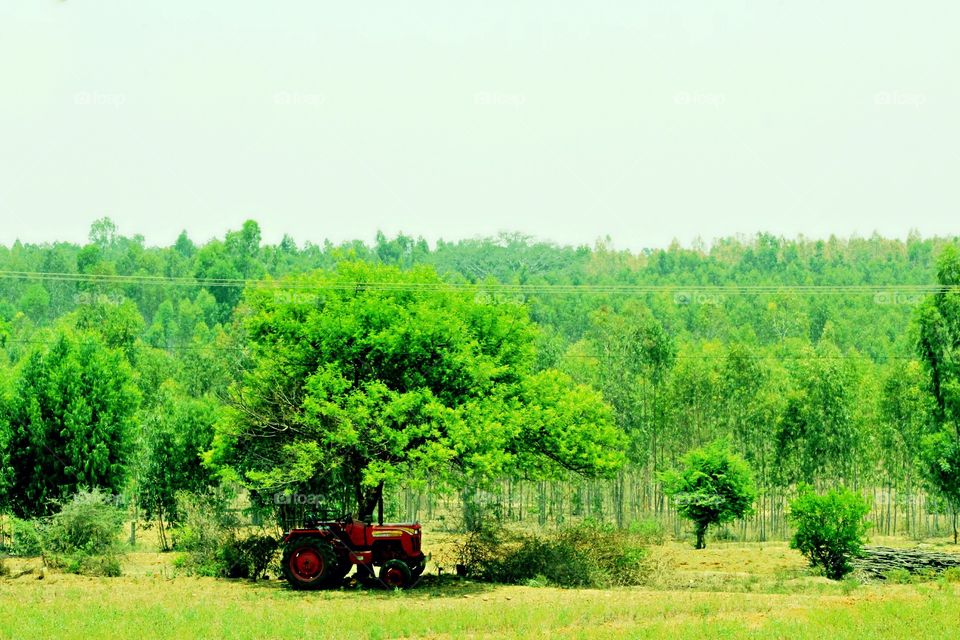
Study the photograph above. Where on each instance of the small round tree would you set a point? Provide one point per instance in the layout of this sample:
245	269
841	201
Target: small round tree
830	528
713	486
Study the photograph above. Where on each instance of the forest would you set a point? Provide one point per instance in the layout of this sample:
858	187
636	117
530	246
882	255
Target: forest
151	371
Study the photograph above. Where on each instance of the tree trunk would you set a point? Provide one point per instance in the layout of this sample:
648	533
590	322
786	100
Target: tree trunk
954	524
368	502
163	532
701	530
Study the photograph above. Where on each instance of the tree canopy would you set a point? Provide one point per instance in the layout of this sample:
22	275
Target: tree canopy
69	422
361	386
939	345
711	487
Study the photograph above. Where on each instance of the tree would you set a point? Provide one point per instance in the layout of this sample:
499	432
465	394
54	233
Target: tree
818	429
637	354
178	432
905	410
69	419
939	346
713	486
830	529
103	233
384	378
941	453
939	339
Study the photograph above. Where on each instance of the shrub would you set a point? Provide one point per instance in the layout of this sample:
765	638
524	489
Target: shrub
481	548
830	529
26	541
210	534
206	526
83	537
713	486
648	530
588	554
898	576
4	569
105	566
247	557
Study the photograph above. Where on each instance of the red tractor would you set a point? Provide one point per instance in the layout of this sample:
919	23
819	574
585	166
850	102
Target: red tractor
321	554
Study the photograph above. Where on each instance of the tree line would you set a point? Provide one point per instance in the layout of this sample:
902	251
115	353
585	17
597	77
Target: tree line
547	382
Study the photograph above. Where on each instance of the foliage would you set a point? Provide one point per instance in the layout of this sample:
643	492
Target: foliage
818	430
211	535
70	419
364	387
26	536
249	557
939	337
588	554
898	576
648	531
712	487
178	431
206	524
83	537
830	528
941	452
939	346
804	385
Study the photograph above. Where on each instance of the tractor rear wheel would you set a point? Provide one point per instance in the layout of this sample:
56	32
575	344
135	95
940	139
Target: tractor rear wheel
310	563
396	574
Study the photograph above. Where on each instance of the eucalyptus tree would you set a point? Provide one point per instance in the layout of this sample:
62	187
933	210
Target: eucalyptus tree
818	435
939	346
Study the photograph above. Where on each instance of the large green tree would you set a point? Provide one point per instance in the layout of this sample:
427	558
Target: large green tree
370	376
69	418
939	346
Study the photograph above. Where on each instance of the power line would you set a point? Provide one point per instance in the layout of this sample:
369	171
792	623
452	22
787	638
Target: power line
566	356
691	290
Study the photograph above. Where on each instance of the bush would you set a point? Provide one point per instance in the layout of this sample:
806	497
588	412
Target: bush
4	569
26	542
830	529
247	557
482	547
84	536
589	554
648	530
898	576
105	566
210	534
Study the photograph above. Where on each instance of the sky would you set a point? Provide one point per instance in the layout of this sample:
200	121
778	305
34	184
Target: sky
568	121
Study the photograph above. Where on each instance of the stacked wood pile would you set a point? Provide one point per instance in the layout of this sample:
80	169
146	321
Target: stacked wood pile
877	561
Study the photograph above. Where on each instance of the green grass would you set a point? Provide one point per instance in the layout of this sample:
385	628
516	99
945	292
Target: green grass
775	597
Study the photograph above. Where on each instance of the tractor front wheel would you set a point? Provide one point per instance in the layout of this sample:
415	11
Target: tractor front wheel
417	567
396	574
310	563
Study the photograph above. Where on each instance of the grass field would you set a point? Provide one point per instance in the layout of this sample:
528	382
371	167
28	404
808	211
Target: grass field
726	591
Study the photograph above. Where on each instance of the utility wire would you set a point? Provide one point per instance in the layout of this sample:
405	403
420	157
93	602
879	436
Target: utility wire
291	284
566	356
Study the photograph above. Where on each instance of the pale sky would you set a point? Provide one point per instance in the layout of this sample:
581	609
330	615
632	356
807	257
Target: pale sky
565	120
